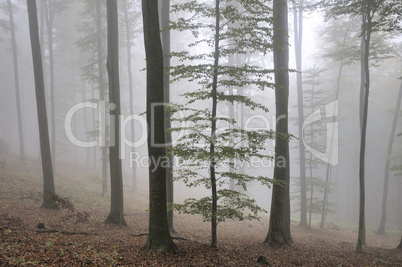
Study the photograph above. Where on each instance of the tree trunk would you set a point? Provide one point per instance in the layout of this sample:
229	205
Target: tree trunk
16	83
159	238
381	228
298	29
130	86
47	167
165	18
361	240
101	80
49	17
279	223
400	244
116	214
214	241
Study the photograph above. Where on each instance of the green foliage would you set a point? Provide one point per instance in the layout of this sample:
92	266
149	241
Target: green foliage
231	205
244	28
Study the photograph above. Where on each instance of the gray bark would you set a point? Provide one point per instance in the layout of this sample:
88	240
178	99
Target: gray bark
159	238
16	83
47	167
381	228
279	223
116	214
298	29
101	81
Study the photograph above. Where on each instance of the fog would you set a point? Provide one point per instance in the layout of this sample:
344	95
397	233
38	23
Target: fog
75	83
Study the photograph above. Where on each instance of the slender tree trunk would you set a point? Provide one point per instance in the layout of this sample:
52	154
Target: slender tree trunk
214	241
49	17
381	228
47	167
101	81
361	240
159	236
329	167
165	18
116	214
16	83
311	155
130	86
279	227
298	29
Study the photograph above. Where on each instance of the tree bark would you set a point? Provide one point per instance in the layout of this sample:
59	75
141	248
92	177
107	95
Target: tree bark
165	18
381	228
47	167
361	239
49	17
159	238
298	28
214	241
16	83
279	223
101	81
116	214
130	86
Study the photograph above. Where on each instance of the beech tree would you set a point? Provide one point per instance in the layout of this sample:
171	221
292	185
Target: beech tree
238	27
16	81
47	167
159	238
279	220
116	214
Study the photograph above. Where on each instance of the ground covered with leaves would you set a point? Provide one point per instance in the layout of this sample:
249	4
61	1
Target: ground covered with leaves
75	235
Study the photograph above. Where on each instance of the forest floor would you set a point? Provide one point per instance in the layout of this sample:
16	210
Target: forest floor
76	235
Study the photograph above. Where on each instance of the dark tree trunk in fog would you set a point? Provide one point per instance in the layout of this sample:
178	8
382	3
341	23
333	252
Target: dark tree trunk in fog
400	244
381	228
367	16
49	17
47	167
298	29
101	82
279	223
16	83
159	238
116	214
165	18
130	85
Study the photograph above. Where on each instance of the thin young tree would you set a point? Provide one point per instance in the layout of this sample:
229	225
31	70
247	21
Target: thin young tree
381	228
279	222
116	214
159	238
298	38
16	82
165	18
47	167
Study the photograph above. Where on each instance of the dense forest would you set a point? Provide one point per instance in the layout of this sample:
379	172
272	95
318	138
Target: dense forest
201	133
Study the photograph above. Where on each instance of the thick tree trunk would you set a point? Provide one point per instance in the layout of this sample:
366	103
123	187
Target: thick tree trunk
116	214
279	223
16	83
381	228
298	28
400	244
159	238
130	87
101	81
361	239
165	18
47	167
